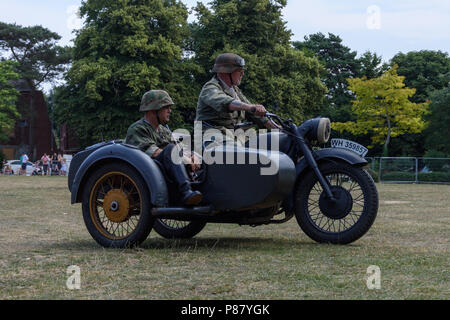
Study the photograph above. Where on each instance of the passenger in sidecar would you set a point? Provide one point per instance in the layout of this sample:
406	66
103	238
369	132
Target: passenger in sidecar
151	135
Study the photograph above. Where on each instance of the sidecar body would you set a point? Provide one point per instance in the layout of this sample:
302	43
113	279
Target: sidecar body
232	178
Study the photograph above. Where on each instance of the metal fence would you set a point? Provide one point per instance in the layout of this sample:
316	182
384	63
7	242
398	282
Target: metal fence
410	169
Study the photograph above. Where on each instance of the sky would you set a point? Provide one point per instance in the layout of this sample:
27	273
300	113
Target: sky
384	27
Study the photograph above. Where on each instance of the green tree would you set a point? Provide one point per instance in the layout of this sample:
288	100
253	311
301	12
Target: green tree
39	58
276	74
424	70
438	131
383	109
125	48
371	65
8	98
340	64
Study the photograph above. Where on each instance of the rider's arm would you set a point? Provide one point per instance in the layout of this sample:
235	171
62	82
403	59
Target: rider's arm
256	109
140	136
213	96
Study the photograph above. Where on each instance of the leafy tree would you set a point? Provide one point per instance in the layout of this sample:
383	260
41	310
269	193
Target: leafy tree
8	98
39	58
424	70
125	48
438	131
371	65
383	108
34	48
276	74
340	64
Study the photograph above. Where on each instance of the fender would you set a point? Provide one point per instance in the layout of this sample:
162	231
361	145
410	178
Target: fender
332	153
148	169
320	155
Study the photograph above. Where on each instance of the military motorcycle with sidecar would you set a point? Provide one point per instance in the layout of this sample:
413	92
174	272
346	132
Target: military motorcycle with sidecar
125	193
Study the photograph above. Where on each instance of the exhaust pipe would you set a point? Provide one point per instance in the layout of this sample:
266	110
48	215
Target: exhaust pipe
181	212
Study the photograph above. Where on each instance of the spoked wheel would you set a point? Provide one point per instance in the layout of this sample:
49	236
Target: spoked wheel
174	229
347	218
116	206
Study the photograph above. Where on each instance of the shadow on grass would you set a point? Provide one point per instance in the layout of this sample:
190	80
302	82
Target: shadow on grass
200	244
232	243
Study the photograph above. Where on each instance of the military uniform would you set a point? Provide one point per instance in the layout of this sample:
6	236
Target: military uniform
212	106
146	138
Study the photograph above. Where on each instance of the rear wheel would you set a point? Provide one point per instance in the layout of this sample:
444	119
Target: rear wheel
344	220
116	206
174	229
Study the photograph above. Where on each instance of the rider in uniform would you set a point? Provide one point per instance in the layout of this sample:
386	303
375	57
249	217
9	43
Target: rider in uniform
221	104
151	135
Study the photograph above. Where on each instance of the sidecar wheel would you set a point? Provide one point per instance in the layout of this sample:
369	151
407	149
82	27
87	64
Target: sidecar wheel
116	206
174	229
345	220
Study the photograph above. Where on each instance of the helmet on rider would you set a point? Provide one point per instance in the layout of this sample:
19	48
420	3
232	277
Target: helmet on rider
155	100
228	63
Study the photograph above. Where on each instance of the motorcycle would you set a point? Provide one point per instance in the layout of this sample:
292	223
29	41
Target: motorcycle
125	193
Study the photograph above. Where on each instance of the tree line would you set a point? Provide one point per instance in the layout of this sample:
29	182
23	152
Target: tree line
128	47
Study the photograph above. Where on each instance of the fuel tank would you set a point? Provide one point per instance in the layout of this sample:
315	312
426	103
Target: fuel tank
273	140
239	178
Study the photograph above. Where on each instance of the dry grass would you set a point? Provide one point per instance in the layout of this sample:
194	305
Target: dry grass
41	234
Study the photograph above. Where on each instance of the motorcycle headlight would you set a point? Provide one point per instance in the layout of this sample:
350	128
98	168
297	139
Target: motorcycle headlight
323	130
317	129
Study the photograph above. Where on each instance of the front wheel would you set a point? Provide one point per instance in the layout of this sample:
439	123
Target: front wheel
116	206
347	218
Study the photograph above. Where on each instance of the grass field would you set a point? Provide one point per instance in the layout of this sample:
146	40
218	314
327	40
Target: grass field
42	234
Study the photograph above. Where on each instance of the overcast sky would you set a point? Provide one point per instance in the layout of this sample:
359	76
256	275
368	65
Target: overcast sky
381	26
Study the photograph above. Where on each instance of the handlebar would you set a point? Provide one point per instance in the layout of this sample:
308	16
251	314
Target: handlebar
273	116
268	114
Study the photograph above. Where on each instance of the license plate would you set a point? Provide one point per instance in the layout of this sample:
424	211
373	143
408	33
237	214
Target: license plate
349	145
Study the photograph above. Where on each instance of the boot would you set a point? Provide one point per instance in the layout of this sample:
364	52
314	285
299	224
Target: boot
189	196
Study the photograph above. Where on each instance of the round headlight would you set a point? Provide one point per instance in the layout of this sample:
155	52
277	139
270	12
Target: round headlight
323	130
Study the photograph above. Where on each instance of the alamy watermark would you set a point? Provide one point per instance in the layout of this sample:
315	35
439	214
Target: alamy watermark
373	277
73	281
238	146
373	20
74	21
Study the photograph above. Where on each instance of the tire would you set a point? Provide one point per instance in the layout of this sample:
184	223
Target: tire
344	221
174	229
116	206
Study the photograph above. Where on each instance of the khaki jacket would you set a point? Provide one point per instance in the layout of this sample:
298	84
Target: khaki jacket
212	106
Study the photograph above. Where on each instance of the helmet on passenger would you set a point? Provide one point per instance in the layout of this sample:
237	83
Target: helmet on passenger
228	63
155	100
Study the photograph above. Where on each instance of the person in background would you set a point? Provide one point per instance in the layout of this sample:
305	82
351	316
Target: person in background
54	164
7	170
37	169
63	167
45	160
59	164
23	160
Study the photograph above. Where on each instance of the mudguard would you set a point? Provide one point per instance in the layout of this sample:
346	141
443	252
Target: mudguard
148	169
331	154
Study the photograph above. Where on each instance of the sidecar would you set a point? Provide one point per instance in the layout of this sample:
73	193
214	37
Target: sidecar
124	192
